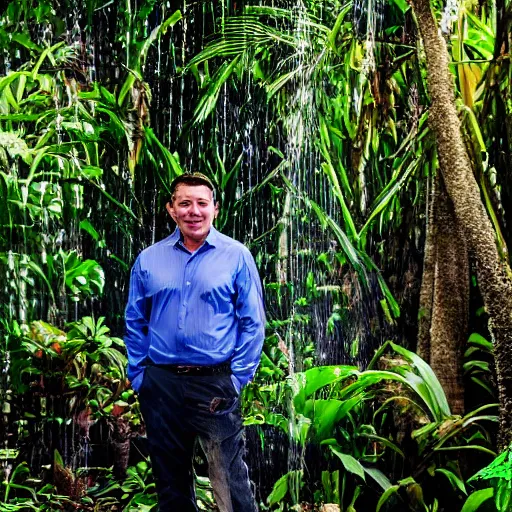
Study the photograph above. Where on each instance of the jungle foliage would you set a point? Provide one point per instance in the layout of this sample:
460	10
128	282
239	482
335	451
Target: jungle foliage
313	122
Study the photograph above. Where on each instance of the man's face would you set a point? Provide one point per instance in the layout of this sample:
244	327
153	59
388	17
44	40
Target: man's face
193	210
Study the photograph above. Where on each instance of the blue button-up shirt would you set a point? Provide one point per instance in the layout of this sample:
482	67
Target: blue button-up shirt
198	308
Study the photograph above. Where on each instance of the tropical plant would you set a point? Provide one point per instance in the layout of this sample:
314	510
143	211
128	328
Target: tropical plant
137	490
252	42
362	419
325	163
312	66
75	378
478	363
499	475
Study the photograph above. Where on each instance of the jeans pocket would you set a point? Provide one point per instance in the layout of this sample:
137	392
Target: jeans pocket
211	395
225	404
219	405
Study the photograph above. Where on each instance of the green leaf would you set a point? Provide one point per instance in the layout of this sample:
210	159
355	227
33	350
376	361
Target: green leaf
172	165
389	192
37	270
47	53
127	85
24	39
500	467
466	447
324	414
351	464
57	458
385	442
476	499
209	99
156	33
403	5
456	482
279	491
92	171
87	226
321	376
480	341
386	495
333	178
434	391
476	365
379	477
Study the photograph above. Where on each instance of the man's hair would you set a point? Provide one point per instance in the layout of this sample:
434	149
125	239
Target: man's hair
194	179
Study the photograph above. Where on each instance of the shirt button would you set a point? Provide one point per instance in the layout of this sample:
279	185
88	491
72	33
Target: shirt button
184	303
188	283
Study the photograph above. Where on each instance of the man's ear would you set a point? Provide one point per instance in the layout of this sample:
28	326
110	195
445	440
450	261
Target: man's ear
170	210
216	210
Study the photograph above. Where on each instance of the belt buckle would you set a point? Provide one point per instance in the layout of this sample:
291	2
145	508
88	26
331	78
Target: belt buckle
183	369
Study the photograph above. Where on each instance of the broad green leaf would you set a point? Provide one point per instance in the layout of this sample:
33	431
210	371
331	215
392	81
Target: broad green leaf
127	85
321	376
389	192
280	82
500	467
379	477
280	489
333	178
476	365
476	499
24	39
433	386
402	5
326	413
172	165
46	54
351	464
480	341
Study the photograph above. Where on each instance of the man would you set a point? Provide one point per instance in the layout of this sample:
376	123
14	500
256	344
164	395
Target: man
194	332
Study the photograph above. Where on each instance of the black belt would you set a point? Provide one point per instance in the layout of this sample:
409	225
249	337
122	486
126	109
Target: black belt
200	370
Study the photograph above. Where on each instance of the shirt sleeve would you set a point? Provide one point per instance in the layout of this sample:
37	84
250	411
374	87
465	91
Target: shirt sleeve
137	322
251	320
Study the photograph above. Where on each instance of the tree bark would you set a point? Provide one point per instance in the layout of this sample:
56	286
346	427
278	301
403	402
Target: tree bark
445	298
448	331
493	275
427	280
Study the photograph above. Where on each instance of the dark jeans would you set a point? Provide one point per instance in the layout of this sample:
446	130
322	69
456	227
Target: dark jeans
177	410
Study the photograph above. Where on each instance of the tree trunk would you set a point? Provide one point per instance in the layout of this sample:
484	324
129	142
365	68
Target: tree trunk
448	331
445	298
493	275
427	280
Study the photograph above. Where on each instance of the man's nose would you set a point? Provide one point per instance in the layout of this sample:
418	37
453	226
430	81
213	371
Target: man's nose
194	209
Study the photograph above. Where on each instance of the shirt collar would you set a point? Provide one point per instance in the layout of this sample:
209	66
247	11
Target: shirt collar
211	239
